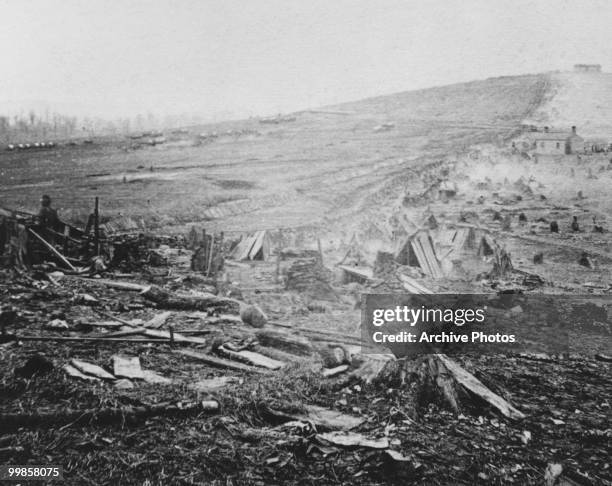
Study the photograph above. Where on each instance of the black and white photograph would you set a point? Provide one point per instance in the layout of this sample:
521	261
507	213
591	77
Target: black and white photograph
306	242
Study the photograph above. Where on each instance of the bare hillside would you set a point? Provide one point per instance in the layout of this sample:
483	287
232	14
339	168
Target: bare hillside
581	99
250	175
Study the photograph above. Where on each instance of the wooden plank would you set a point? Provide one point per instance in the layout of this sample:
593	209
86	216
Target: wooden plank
360	271
118	319
432	261
74	373
258	241
116	284
179	338
220	362
52	249
91	369
127	367
418	251
252	358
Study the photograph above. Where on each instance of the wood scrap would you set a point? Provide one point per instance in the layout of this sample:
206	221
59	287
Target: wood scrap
290	343
175	336
321	335
91	369
74	373
353	439
113	284
115	318
251	358
220	362
52	249
331	372
127	367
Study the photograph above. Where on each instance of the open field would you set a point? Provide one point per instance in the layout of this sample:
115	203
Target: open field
291	174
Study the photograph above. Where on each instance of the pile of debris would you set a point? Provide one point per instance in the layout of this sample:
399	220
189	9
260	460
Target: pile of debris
309	277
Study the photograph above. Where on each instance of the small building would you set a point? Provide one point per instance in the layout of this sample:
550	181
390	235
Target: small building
557	142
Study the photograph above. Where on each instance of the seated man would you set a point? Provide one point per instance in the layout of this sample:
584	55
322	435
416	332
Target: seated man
47	215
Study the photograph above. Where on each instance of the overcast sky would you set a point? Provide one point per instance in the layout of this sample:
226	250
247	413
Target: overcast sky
240	57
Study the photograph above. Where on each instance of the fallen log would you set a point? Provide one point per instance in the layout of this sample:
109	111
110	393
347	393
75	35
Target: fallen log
103	416
252	358
167	300
220	362
276	354
321	335
286	342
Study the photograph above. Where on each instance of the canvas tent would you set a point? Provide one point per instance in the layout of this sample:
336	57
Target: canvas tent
255	246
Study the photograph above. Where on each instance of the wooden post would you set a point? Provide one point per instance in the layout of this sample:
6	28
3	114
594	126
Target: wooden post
96	227
204	244
210	254
278	255
320	250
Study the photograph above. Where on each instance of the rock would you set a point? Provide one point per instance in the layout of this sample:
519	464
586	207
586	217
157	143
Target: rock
253	315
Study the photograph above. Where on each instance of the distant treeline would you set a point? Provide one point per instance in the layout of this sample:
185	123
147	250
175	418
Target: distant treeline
35	126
